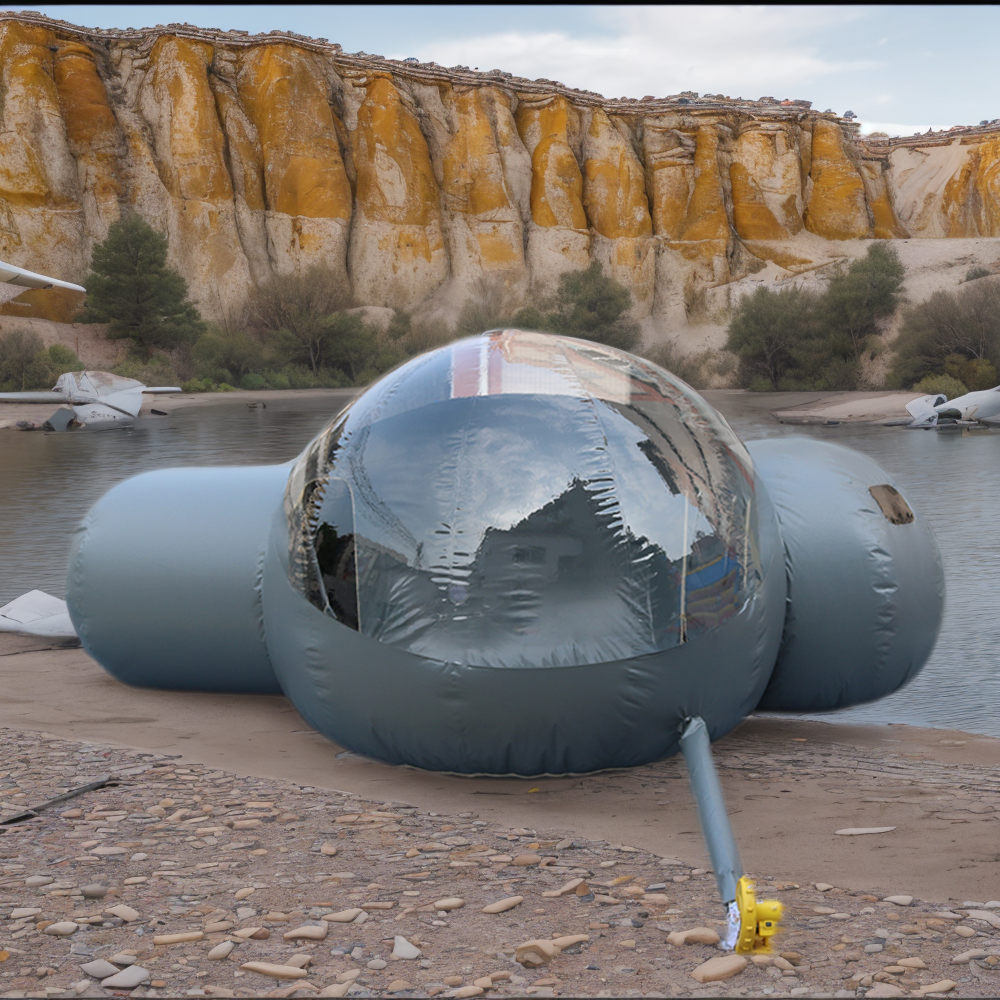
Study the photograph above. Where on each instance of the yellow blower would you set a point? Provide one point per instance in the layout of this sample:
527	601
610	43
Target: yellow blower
759	919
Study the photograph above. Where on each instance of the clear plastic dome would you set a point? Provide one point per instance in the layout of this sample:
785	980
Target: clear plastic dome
525	500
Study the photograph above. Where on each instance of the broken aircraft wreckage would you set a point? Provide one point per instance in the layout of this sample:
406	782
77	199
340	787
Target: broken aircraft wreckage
91	399
94	400
974	408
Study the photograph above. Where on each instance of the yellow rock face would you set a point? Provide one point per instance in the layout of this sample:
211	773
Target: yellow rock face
707	221
752	218
32	118
93	133
668	155
556	180
189	153
614	196
885	225
474	185
396	182
397	248
284	95
263	158
766	183
988	187
837	208
41	222
614	186
969	202
192	162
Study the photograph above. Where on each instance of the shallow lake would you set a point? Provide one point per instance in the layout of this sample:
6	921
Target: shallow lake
48	481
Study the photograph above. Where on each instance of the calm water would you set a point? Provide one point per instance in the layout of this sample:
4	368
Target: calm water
48	481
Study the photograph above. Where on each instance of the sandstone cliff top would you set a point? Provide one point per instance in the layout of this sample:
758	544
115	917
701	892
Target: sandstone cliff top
687	101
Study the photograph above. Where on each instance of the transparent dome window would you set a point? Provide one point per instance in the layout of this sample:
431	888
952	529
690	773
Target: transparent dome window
524	500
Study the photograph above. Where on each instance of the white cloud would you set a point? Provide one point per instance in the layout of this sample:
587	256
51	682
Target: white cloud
739	51
892	128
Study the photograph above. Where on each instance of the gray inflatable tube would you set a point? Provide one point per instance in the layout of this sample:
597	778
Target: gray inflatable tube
164	578
865	581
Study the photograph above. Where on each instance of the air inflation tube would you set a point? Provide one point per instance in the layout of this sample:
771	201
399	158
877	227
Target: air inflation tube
715	825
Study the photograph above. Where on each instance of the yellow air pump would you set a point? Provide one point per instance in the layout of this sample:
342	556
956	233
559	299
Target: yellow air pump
759	919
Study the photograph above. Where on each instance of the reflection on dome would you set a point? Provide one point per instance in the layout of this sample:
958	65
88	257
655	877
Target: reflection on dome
524	500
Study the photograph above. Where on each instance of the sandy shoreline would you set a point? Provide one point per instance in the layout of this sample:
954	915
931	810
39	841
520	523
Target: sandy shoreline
786	407
35	414
793	782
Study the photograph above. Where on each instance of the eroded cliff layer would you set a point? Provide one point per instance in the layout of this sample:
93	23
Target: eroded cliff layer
260	155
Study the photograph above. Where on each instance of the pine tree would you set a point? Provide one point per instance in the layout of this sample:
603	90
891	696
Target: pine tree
132	288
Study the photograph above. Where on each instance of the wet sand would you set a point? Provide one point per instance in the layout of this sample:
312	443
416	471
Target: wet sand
790	784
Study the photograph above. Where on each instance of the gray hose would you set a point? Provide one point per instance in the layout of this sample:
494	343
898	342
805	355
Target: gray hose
715	825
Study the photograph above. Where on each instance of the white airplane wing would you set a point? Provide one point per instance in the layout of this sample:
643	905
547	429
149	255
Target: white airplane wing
37	613
29	279
162	388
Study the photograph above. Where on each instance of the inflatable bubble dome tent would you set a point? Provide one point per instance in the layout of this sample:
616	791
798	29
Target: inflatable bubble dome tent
517	554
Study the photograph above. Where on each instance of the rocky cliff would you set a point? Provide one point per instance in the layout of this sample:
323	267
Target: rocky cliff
264	154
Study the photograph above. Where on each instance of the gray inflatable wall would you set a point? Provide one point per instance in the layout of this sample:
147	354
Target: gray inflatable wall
865	581
517	554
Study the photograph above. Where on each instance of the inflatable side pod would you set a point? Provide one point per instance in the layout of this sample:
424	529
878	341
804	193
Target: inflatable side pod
517	554
164	578
865	581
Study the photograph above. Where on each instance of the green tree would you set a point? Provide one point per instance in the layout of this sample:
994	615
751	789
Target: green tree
291	313
951	333
487	308
359	351
225	353
860	298
797	339
133	289
589	304
766	329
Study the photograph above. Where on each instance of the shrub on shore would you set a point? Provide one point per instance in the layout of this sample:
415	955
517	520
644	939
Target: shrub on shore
796	339
952	333
25	363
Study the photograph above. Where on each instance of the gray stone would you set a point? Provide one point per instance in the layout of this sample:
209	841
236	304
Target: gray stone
127	979
402	948
99	969
94	891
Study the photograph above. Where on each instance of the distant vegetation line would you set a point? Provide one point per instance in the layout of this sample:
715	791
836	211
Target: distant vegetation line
302	330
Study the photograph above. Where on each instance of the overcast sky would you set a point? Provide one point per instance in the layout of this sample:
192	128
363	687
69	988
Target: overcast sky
900	69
